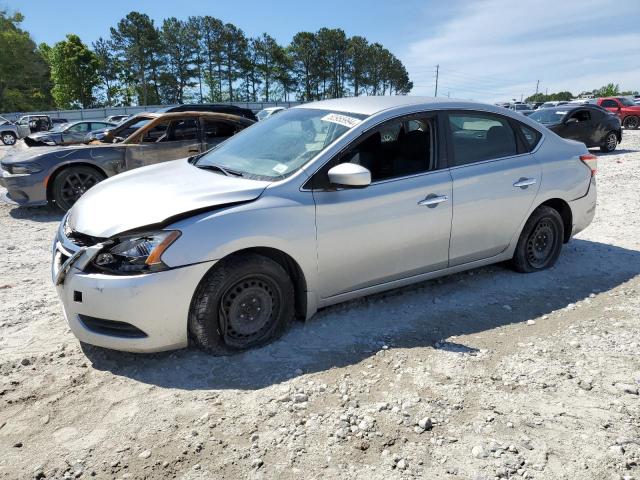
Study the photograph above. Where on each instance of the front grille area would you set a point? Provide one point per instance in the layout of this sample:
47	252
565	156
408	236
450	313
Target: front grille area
111	327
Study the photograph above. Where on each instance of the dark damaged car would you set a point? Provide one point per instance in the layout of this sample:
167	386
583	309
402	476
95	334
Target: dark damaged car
66	133
62	175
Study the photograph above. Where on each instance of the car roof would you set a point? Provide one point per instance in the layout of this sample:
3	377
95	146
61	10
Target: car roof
370	105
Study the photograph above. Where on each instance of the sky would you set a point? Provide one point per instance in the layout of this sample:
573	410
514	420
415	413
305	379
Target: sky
487	50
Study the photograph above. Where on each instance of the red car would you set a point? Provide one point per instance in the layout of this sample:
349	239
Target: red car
628	111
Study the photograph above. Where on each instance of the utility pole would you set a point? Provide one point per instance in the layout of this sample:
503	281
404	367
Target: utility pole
537	85
437	71
521	95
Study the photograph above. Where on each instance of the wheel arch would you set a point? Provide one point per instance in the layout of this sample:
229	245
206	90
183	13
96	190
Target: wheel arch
563	208
48	181
290	266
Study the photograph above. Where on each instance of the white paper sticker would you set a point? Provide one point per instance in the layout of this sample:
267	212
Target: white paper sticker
280	168
344	120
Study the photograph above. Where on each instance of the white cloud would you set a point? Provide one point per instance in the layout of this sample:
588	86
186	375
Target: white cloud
497	49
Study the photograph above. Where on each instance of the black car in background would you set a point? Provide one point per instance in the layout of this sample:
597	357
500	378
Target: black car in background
211	107
589	124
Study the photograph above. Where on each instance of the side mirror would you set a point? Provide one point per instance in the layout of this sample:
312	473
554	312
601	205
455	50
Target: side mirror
350	175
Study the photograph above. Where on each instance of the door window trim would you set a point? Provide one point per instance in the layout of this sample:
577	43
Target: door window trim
439	156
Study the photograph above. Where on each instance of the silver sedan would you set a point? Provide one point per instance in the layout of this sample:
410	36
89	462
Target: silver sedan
323	203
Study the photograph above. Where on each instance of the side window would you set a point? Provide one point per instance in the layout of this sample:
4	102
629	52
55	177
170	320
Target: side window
478	136
581	116
215	129
80	127
98	125
181	130
158	133
609	104
531	136
398	149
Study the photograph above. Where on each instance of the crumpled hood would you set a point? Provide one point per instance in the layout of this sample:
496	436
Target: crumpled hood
151	195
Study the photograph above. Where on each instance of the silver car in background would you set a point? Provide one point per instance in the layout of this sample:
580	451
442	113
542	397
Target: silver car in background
323	203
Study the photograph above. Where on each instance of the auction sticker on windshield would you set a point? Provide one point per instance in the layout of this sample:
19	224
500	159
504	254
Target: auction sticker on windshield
343	120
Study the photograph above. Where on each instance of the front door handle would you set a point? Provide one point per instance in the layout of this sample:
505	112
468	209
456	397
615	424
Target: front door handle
524	182
433	200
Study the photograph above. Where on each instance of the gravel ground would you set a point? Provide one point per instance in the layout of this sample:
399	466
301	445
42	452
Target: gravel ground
481	375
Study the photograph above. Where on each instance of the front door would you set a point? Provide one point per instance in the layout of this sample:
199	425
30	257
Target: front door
166	141
494	184
396	227
579	126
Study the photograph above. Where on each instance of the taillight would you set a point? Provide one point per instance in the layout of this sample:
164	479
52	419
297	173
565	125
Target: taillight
590	161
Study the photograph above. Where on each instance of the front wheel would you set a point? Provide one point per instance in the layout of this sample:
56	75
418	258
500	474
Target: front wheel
9	138
631	122
71	183
243	302
540	242
610	142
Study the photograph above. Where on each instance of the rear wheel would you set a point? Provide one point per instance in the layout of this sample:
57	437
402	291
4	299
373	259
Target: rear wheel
243	302
9	138
610	142
631	122
540	242
71	183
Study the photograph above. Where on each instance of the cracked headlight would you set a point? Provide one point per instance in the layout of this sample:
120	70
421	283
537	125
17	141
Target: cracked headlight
139	253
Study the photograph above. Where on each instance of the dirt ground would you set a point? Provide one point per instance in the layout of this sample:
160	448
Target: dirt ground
480	375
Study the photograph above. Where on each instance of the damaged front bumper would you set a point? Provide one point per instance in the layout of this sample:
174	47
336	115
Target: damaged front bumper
135	313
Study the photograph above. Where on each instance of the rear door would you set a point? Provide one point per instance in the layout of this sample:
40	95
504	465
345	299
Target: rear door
579	126
166	141
495	180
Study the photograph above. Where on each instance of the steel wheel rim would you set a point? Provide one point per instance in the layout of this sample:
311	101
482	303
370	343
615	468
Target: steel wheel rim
76	184
541	242
247	310
8	139
612	141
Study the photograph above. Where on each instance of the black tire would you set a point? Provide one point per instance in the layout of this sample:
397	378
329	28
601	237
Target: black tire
610	142
9	138
631	122
540	242
248	285
71	183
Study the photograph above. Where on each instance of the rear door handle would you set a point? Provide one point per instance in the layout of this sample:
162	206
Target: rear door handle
524	182
433	200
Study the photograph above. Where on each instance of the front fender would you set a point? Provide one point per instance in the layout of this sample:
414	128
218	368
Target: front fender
280	223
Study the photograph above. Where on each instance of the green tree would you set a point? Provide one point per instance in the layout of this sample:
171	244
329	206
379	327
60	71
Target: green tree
609	90
178	50
304	55
73	72
358	52
108	69
24	73
135	41
266	61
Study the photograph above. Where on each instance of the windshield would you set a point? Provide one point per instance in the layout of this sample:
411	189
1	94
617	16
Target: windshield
626	102
548	115
279	147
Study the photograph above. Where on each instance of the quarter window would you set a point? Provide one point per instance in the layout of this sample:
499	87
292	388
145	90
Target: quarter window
478	137
530	135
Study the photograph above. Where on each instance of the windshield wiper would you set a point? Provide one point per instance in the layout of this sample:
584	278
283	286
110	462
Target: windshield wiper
224	170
